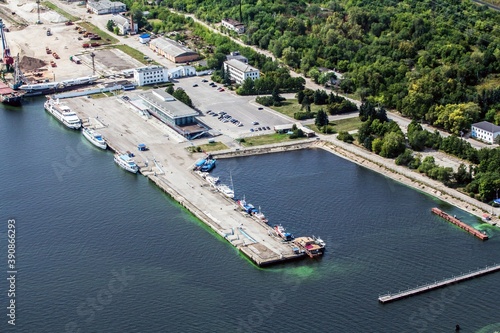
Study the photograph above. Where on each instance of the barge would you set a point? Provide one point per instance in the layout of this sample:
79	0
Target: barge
459	223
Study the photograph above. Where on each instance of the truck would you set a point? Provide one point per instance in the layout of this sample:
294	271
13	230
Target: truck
75	59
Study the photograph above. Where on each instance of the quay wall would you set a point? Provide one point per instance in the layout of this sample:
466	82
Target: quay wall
274	148
243	248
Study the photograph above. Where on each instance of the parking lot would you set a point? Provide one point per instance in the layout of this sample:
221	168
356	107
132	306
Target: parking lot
241	115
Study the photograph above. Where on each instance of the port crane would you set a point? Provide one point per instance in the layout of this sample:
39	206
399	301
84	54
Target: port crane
7	58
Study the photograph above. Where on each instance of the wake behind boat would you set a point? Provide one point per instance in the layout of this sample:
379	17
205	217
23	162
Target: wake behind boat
95	138
63	113
126	162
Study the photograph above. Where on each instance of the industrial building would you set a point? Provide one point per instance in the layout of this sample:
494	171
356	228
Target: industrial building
181	71
124	25
102	7
173	113
144	76
239	71
172	50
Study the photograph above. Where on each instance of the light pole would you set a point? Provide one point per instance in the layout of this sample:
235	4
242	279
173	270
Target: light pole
92	55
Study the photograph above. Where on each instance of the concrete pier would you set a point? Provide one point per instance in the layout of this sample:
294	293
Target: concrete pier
431	286
169	165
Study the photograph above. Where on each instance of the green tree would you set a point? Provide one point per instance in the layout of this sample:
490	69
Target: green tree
405	158
457	118
110	25
321	118
345	136
394	145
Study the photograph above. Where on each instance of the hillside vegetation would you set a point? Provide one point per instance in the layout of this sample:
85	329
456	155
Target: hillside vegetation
436	61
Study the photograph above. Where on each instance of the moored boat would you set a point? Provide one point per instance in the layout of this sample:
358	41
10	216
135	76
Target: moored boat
208	165
63	113
258	214
95	138
281	232
247	207
212	180
226	190
126	162
312	246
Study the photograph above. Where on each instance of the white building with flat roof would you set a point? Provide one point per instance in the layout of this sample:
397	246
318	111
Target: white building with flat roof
181	71
485	131
102	7
239	71
144	76
233	25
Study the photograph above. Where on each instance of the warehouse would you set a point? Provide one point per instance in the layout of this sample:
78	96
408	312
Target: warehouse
172	50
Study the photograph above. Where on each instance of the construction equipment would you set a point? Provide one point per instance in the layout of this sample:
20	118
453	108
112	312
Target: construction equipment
19	78
7	58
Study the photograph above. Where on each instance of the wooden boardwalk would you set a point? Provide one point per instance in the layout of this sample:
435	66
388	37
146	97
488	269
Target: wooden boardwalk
422	289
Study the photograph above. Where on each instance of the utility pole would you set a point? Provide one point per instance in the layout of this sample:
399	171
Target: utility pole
38	10
92	55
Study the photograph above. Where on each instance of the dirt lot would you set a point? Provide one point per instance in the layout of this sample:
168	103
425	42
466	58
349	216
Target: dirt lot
30	40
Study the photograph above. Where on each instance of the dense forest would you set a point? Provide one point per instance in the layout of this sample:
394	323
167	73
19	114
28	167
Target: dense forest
430	59
435	61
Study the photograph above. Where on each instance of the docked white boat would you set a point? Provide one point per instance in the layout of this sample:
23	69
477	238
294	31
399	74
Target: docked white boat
63	113
212	180
226	190
95	138
261	216
127	163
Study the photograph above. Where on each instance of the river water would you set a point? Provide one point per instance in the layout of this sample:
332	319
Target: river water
102	250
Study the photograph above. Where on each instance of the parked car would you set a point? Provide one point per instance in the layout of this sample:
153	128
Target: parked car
195	85
255	123
204	80
261	108
251	129
221	90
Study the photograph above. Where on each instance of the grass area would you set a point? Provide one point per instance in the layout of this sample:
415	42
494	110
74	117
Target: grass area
106	38
490	82
104	95
134	53
60	11
340	125
208	147
347	125
265	139
290	106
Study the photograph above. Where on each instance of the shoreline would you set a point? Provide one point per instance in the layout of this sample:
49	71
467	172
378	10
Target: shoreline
383	166
409	178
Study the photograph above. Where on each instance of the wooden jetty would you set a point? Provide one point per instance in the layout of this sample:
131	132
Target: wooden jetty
422	289
459	223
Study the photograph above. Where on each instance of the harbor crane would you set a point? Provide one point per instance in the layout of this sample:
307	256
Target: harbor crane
7	58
